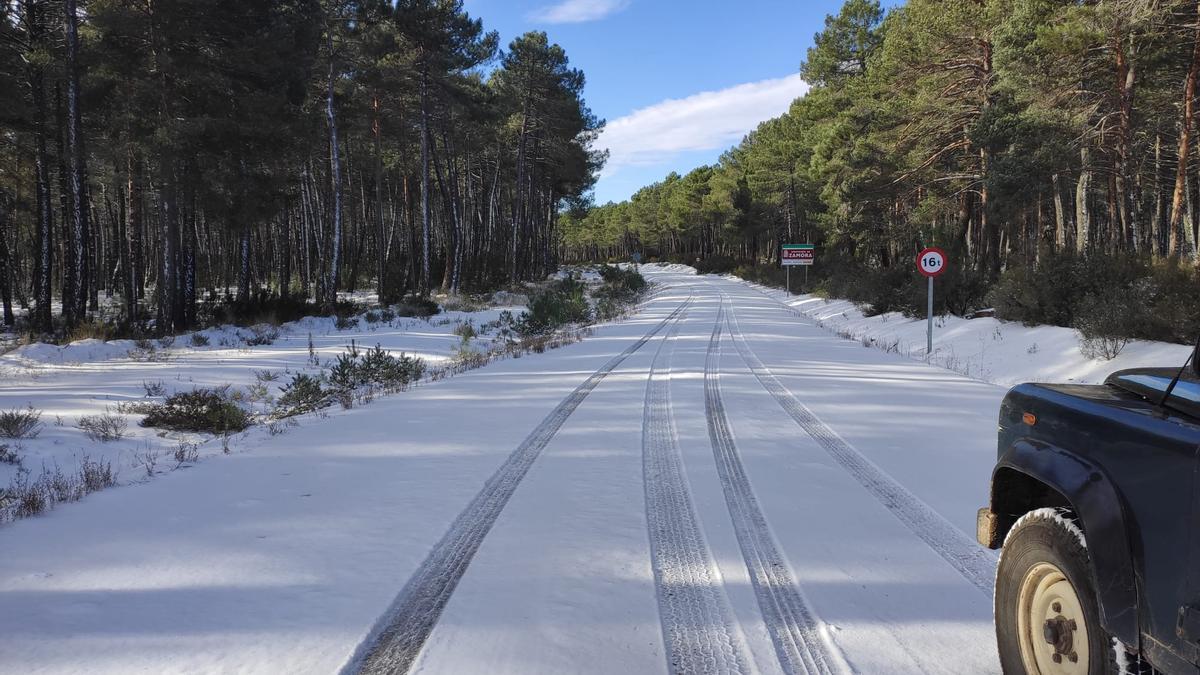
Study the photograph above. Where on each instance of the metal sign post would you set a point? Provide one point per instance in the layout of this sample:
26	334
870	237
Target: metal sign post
931	263
797	255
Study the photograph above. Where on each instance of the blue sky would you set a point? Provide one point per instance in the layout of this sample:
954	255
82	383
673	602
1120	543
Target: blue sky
678	81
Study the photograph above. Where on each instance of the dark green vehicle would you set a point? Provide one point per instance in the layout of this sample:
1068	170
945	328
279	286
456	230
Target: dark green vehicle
1095	501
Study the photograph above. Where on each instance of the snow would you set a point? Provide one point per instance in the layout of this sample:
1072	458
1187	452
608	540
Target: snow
91	377
1059	515
1120	657
287	554
988	349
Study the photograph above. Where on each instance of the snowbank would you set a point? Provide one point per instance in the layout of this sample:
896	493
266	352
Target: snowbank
94	377
987	349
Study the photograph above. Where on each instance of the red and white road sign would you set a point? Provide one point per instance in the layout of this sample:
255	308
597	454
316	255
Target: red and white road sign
932	262
798	254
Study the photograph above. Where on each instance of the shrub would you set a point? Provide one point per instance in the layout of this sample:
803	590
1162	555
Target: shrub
154	389
199	410
1042	294
92	329
561	304
768	275
25	498
621	285
265	308
199	340
715	264
95	475
302	395
373	317
104	428
344	374
186	453
261	335
266	375
416	306
354	369
346	323
1105	324
464	304
608	309
8	454
1175	303
466	331
18	423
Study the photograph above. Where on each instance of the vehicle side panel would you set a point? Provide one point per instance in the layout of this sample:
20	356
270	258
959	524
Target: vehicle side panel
1127	468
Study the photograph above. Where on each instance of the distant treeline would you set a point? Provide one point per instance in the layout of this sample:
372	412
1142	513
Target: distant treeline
1005	131
150	149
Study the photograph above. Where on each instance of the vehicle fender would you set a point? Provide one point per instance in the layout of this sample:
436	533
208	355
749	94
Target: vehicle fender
1098	505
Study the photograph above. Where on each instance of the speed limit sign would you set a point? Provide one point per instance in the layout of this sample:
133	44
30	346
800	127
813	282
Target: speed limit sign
932	262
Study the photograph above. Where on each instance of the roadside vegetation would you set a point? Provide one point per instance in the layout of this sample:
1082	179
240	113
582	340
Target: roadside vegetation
560	311
1049	148
344	180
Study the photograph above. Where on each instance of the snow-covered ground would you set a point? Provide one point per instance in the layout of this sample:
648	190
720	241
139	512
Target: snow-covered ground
92	377
1000	352
715	480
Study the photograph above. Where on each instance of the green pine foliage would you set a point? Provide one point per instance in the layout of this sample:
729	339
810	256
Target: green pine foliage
247	161
1044	145
200	410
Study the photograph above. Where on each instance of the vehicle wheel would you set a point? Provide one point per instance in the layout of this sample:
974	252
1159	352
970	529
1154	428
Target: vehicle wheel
1047	619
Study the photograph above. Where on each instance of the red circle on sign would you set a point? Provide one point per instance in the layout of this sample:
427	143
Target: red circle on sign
932	262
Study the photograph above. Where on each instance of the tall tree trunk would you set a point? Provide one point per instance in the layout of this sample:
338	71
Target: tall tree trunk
43	235
68	248
6	272
168	279
382	240
426	206
243	289
135	272
1156	225
78	172
1083	216
1126	71
1185	145
1060	216
335	176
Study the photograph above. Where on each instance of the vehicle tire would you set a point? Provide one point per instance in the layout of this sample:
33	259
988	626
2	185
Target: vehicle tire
1047	617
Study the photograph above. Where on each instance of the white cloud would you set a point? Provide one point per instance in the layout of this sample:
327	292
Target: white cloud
579	11
712	120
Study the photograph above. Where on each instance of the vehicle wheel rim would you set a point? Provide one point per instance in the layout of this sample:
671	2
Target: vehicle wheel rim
1050	624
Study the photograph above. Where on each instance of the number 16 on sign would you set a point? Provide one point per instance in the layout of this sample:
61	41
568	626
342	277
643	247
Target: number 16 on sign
932	263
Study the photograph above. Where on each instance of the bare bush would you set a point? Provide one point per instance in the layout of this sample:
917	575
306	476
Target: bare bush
154	389
186	453
1105	324
26	497
20	423
148	458
262	335
95	475
103	428
9	454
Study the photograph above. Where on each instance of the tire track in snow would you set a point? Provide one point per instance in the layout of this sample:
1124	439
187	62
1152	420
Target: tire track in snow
697	621
397	639
795	630
973	562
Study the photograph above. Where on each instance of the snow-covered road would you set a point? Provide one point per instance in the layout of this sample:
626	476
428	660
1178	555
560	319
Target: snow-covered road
715	485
